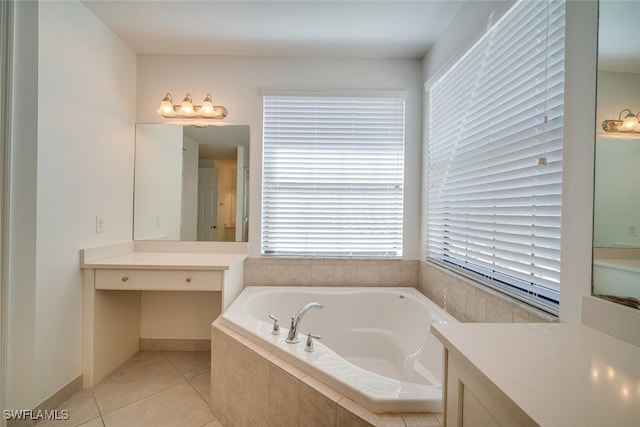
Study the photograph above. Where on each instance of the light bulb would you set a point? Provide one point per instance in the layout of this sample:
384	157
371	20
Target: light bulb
166	106
186	106
629	123
207	107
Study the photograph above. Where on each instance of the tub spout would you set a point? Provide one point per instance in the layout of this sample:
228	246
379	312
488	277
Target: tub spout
292	338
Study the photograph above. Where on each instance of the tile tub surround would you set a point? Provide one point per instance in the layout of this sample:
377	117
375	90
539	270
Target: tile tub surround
329	272
471	302
466	300
252	387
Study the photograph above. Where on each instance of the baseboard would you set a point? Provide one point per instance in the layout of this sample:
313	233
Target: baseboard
47	407
162	344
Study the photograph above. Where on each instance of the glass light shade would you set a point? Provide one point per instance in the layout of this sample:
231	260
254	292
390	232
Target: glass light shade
629	123
166	109
166	106
186	107
207	107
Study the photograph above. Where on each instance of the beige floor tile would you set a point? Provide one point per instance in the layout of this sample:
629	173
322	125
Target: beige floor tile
82	408
179	406
202	384
190	363
96	422
145	374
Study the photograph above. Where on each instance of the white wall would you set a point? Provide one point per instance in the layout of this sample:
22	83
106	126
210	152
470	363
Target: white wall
21	334
237	83
158	182
580	65
83	167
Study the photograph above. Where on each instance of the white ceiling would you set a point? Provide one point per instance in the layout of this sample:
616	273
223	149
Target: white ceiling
219	142
346	28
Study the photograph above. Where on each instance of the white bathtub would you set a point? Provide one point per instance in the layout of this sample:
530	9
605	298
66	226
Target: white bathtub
376	347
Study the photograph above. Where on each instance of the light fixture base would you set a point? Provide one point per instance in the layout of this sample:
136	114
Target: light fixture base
616	126
219	112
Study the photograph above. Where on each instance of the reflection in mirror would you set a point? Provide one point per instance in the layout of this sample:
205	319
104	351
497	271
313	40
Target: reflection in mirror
191	183
616	264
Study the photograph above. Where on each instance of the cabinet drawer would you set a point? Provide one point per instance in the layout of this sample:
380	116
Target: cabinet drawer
159	280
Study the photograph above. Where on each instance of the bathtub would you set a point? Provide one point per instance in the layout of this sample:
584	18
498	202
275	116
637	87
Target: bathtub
376	347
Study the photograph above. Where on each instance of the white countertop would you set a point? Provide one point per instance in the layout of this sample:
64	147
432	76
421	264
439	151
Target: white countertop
168	261
559	374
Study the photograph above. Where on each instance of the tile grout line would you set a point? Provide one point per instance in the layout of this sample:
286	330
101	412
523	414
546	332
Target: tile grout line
144	397
95	401
191	385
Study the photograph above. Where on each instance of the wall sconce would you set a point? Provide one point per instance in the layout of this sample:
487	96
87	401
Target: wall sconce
629	124
186	109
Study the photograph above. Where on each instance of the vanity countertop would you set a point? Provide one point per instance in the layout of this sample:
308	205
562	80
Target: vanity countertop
559	374
168	261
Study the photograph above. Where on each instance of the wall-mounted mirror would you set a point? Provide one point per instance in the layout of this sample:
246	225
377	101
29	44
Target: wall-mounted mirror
191	183
616	264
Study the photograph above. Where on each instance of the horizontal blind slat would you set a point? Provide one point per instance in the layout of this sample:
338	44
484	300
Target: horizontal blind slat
494	155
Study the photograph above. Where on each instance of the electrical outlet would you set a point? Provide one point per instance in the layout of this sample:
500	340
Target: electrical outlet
632	230
99	224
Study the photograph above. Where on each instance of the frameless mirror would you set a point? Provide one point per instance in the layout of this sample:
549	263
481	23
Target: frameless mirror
616	263
191	183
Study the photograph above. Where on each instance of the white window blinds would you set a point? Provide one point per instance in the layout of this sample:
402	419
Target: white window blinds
495	156
333	170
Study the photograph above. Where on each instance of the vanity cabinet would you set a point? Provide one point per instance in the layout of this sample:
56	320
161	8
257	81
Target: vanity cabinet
517	375
115	279
158	280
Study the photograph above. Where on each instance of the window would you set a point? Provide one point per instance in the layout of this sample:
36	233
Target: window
495	156
333	170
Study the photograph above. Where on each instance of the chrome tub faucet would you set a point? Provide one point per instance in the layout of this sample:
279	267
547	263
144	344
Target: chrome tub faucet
292	338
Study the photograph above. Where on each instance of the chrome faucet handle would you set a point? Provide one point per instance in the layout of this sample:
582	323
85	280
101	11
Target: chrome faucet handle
309	346
276	325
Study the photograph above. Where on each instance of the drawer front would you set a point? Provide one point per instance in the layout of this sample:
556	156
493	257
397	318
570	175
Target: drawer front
159	280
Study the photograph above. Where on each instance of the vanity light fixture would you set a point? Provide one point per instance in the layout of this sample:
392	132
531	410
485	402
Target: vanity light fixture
186	109
628	124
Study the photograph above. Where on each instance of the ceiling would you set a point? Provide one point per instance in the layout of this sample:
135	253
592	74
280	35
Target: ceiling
219	142
307	28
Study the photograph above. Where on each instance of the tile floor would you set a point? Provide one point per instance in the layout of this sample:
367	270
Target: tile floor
153	388
158	389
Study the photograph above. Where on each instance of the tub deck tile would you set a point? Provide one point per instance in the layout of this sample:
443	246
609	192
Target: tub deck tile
321	388
422	420
354	408
390	421
347	419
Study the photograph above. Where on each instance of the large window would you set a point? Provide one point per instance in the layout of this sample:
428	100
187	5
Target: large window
333	170
495	156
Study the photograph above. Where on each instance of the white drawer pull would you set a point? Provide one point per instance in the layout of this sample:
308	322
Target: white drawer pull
188	279
125	278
